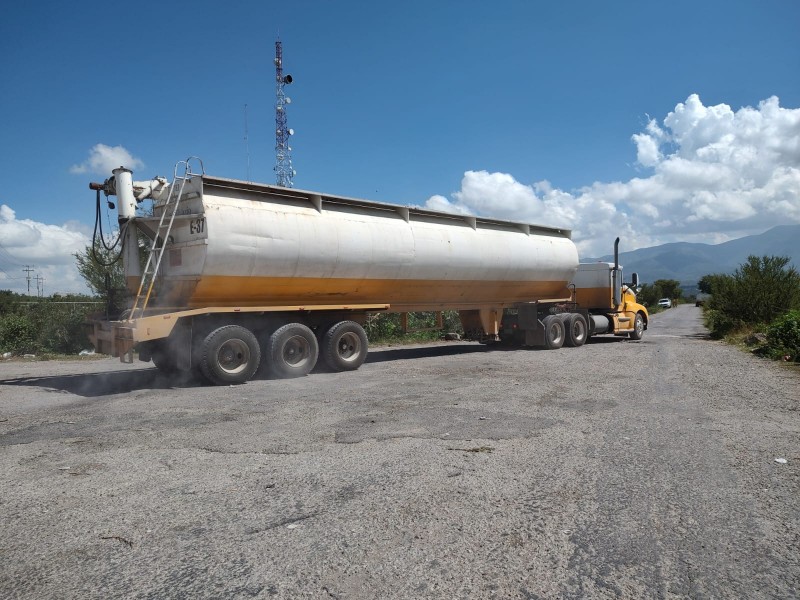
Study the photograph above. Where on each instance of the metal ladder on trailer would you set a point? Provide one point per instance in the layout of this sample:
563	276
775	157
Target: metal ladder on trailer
159	244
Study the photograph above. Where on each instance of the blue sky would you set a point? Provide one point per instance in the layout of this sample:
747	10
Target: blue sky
520	110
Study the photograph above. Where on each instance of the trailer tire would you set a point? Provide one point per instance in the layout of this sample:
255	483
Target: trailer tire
576	330
293	351
638	327
553	332
345	346
229	355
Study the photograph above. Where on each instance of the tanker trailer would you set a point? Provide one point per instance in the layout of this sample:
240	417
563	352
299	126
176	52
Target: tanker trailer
241	275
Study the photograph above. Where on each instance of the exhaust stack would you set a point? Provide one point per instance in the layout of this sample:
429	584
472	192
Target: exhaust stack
616	279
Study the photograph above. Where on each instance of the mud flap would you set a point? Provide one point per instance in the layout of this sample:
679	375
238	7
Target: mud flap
528	318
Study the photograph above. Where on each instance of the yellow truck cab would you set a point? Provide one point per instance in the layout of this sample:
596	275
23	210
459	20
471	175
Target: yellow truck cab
611	304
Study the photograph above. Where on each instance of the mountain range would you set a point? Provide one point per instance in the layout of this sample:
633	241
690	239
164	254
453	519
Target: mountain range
688	262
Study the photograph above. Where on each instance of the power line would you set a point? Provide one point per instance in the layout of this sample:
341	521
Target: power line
10	256
9	277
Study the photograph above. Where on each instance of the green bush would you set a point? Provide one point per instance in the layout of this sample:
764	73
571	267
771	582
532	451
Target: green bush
758	292
783	336
18	334
63	331
33	325
720	323
382	327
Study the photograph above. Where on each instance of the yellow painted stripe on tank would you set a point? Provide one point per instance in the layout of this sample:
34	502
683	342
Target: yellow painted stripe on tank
400	293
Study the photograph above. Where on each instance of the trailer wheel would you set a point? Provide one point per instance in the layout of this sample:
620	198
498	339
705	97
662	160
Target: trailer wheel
344	346
553	332
292	351
638	327
229	355
576	330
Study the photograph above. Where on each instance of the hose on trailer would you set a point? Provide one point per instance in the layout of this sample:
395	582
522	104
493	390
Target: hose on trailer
120	241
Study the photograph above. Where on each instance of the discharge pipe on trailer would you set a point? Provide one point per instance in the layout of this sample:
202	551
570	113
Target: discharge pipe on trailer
121	186
126	201
129	194
126	207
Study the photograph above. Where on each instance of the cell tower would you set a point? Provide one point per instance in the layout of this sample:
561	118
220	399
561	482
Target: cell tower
283	152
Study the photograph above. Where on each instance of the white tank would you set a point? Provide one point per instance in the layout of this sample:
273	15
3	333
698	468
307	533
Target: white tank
241	244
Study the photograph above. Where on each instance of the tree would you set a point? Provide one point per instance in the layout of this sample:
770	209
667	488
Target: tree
104	275
767	287
760	290
706	283
650	294
669	288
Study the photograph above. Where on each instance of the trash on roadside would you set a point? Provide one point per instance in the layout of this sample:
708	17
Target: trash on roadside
86	353
781	461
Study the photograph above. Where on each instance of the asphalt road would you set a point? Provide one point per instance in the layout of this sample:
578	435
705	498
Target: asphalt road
617	470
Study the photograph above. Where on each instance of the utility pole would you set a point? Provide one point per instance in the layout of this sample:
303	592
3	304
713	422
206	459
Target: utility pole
40	285
28	270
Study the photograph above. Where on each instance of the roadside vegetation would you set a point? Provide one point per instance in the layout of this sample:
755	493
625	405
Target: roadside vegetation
758	305
54	325
650	293
44	325
420	327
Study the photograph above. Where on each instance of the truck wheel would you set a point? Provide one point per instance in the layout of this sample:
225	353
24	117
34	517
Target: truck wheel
553	332
344	346
638	327
576	330
229	355
292	351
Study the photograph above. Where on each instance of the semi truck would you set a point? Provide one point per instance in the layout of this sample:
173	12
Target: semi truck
228	278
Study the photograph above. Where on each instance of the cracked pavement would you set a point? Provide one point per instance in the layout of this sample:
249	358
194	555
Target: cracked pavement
617	470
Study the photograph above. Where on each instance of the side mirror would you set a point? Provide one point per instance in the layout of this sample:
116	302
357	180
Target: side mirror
634	280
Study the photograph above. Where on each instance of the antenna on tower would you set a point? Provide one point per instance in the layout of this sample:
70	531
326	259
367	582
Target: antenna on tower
283	158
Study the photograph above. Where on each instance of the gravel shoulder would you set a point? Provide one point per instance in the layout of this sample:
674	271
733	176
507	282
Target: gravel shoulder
617	470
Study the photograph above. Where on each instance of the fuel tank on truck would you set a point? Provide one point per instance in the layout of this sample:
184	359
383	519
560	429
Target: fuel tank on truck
235	243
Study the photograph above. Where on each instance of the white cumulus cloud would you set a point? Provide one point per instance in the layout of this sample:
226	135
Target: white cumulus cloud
103	159
47	249
714	174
